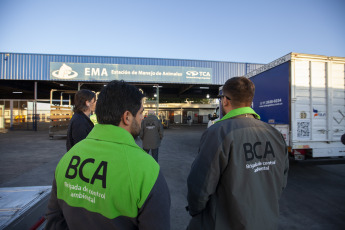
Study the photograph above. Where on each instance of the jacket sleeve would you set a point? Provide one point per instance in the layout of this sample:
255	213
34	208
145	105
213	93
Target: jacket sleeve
155	213
206	170
54	215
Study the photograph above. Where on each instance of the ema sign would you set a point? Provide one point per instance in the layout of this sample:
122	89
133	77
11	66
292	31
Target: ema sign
130	73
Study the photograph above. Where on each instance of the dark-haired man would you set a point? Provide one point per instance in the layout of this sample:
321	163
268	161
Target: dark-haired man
106	181
241	169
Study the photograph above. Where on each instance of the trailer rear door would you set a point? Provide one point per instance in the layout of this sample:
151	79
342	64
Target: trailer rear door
318	105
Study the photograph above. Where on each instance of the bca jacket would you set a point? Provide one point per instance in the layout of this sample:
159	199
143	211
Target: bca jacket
107	181
238	175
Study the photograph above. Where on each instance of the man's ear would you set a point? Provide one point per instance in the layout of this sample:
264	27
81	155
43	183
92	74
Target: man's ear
225	102
227	106
126	118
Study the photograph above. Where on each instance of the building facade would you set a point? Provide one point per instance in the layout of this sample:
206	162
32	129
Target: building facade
31	83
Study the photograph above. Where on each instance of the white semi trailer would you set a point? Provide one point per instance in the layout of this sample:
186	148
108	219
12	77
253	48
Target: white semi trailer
303	96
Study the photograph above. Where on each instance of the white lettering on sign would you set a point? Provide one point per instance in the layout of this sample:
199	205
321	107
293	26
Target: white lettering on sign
148	73
205	74
123	72
96	72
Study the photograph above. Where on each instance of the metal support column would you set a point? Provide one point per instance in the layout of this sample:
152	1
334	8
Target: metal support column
61	98
35	109
11	109
157	100
181	120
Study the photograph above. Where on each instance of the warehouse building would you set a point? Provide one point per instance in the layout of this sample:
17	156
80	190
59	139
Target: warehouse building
31	83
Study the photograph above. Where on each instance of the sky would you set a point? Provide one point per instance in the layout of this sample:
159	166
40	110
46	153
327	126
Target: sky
249	31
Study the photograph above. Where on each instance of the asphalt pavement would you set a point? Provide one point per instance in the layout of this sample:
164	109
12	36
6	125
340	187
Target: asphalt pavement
313	199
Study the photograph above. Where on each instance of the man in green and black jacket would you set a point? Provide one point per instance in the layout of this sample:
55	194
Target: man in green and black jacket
107	181
241	170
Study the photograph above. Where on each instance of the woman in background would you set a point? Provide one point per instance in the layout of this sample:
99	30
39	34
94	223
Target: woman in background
80	124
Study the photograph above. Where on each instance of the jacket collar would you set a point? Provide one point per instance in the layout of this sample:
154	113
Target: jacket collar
111	133
240	111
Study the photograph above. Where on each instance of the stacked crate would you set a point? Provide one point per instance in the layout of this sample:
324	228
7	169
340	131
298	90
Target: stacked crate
60	117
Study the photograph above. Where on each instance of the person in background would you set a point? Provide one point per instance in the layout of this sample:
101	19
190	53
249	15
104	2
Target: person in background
106	181
80	124
241	169
151	134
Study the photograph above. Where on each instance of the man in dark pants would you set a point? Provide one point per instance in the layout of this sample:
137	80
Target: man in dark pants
241	169
151	134
106	181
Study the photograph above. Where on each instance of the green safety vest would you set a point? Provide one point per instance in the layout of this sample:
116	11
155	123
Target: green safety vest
106	173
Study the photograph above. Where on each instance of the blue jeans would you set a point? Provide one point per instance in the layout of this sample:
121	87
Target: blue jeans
154	153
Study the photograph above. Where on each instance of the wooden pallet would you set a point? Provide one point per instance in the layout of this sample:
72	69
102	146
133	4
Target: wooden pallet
60	117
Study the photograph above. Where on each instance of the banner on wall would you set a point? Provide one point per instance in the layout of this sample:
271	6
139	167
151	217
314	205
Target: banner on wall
130	73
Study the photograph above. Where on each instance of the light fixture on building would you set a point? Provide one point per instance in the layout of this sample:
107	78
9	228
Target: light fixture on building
61	84
207	95
155	95
17	92
6	57
204	87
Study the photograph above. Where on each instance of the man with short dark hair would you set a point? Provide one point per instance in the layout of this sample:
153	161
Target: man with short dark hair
241	169
107	181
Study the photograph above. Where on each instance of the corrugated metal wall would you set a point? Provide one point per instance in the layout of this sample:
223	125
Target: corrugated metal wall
15	66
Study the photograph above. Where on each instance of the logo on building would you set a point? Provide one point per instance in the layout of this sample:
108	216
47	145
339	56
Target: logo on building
192	73
65	72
